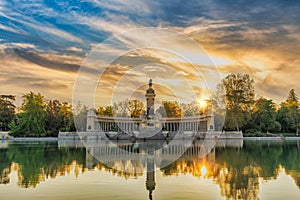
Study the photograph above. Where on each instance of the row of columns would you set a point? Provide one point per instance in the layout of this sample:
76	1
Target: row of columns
185	126
114	126
203	125
125	150
167	126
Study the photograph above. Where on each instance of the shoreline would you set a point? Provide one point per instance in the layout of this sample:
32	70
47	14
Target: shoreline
57	138
272	138
32	139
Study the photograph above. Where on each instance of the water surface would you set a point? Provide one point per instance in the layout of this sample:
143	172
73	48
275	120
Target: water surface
232	170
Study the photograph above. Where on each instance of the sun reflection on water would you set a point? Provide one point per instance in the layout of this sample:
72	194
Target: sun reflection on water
203	171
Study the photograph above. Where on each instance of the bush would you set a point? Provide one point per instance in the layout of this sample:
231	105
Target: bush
276	128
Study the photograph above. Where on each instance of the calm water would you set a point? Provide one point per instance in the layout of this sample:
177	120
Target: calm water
231	170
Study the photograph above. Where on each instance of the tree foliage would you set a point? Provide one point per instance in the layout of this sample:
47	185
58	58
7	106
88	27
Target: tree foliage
31	121
289	113
233	101
170	109
127	108
264	115
239	95
292	96
105	111
136	108
59	117
53	117
7	111
67	121
39	118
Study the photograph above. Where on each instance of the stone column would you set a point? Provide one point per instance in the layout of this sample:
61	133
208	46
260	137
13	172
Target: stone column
90	121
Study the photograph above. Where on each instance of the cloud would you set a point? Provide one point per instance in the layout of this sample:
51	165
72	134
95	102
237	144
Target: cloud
28	21
21	45
10	29
135	7
20	76
43	61
45	39
74	49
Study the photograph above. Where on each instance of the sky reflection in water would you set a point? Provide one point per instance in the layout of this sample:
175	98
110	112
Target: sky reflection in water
237	170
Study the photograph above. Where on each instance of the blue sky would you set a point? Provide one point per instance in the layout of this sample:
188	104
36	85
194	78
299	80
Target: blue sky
43	43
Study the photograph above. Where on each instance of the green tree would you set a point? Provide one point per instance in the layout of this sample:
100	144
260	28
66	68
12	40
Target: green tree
7	111
67	123
54	117
289	113
285	118
31	121
239	95
264	115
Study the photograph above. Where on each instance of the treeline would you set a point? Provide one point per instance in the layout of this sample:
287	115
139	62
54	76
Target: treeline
233	104
36	117
136	108
262	115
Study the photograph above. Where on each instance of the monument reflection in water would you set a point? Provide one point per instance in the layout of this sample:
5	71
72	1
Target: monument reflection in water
150	155
236	167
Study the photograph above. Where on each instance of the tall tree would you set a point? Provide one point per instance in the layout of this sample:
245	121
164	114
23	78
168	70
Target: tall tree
239	94
31	121
264	115
54	117
292	96
285	118
289	113
7	111
67	123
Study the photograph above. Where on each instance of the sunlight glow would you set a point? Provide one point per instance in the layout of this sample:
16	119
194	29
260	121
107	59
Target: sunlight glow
203	171
202	103
219	61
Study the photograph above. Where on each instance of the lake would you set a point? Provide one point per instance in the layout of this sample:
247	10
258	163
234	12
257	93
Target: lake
229	169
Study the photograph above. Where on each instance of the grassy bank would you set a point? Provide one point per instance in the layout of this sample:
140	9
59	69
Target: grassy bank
259	134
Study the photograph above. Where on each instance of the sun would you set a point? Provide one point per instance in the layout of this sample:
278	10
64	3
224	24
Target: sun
202	103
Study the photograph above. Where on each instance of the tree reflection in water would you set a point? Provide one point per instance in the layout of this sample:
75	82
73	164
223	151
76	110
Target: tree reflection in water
235	169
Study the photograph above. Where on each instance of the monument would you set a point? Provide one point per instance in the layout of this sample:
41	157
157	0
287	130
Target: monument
149	124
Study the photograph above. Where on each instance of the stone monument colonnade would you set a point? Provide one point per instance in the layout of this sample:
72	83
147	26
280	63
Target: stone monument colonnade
201	123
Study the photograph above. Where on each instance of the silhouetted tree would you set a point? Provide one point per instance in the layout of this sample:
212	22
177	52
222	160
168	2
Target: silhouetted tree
7	110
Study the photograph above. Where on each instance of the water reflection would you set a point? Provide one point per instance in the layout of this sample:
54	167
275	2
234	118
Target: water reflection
235	166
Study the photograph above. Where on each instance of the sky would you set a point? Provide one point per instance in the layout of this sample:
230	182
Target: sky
44	44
